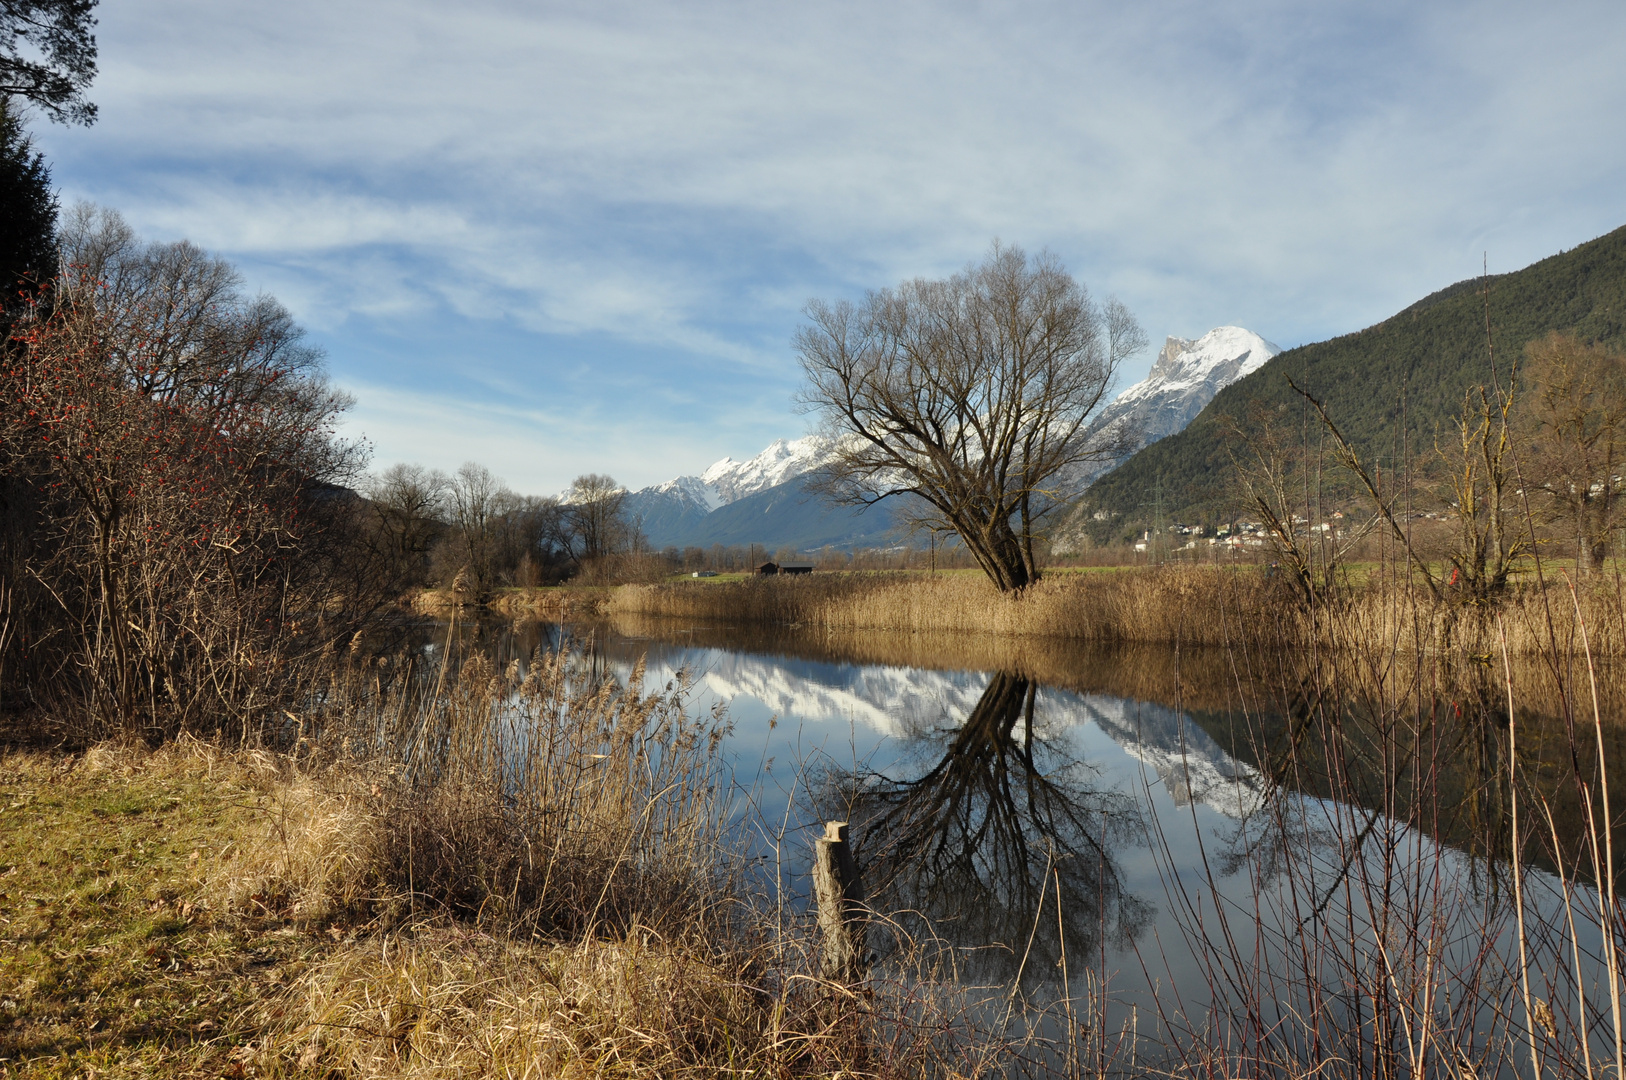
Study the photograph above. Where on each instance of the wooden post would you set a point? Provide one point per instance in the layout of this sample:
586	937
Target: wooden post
840	896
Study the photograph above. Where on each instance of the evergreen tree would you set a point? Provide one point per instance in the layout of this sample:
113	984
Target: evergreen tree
28	211
48	55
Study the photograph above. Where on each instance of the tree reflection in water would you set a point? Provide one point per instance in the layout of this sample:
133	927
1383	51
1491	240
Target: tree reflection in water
997	819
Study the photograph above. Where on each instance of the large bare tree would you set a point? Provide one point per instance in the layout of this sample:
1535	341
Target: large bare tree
973	394
408	503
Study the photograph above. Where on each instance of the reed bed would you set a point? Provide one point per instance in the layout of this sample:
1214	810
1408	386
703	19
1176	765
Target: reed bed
1127	606
1211	607
1431	889
542	798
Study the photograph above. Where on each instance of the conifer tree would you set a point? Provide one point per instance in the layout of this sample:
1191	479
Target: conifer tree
28	210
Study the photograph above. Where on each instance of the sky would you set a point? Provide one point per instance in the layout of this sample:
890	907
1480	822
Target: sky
559	238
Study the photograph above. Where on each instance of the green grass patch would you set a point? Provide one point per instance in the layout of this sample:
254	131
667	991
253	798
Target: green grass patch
111	963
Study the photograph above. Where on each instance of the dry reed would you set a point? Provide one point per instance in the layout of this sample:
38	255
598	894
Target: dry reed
1192	606
538	880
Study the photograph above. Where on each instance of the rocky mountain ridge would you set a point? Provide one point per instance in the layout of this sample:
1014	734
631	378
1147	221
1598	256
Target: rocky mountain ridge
1185	378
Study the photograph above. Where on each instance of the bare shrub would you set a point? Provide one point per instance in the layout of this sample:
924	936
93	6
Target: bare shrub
170	441
549	797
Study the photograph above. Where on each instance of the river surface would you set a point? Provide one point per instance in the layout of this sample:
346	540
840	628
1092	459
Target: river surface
1098	824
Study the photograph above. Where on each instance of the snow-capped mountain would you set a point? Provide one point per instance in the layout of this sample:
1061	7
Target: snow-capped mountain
784	459
691	489
1184	380
672	513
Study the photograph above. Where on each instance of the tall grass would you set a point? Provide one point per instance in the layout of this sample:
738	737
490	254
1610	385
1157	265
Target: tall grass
1126	606
1430	881
539	875
545	798
1190	605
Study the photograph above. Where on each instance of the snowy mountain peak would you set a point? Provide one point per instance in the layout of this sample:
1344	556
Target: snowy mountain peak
1185	378
691	488
672	512
1217	359
784	459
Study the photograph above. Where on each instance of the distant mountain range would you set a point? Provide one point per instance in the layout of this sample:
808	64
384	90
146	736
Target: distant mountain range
765	500
1390	386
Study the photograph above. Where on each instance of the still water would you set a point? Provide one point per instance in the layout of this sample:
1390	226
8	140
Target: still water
1076	821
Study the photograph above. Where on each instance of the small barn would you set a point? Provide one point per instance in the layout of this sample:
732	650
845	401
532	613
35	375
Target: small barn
785	568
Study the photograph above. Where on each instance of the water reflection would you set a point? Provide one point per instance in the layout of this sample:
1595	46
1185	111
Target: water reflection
1244	826
991	835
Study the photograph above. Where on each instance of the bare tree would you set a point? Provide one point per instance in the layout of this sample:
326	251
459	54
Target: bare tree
1490	538
527	540
475	503
973	394
408	504
169	313
1282	481
1574	416
595	515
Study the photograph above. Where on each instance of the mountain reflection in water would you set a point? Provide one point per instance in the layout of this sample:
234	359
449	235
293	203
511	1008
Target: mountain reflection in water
979	794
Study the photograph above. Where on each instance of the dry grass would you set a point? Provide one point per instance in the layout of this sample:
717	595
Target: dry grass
193	912
1128	606
1214	607
548	798
450	1002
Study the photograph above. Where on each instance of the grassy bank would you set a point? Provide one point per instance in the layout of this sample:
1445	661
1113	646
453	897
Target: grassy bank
194	913
458	871
118	956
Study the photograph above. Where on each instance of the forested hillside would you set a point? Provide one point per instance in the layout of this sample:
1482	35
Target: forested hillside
1415	365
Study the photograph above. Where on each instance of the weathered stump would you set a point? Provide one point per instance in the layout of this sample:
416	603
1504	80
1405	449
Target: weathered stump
840	897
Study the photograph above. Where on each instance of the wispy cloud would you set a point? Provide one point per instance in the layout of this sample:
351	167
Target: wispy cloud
628	203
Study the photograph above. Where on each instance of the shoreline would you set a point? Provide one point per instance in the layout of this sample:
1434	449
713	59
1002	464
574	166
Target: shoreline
1218	607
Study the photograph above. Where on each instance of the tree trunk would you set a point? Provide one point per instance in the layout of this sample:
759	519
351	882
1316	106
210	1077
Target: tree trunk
840	896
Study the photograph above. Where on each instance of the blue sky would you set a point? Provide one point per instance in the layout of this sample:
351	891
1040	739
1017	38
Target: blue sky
561	238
